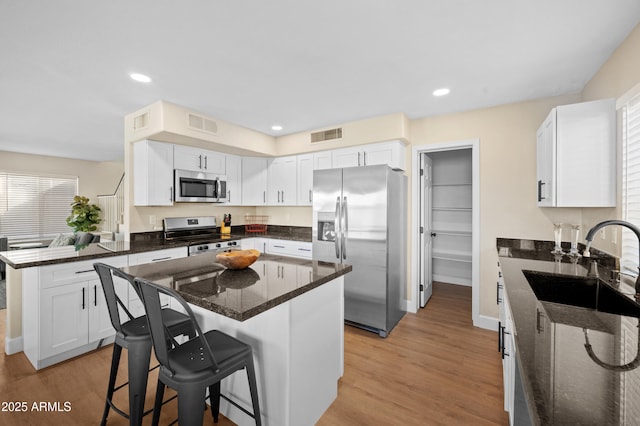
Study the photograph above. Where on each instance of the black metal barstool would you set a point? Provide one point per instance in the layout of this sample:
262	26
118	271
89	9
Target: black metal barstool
132	334
193	366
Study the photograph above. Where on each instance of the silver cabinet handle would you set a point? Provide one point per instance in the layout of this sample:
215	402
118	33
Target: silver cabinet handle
200	161
358	159
228	196
310	196
171	193
264	197
205	162
85	271
160	258
364	156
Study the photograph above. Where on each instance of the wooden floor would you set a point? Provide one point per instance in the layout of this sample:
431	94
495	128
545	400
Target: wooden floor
435	368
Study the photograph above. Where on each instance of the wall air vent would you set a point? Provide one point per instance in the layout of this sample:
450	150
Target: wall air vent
141	121
326	135
203	124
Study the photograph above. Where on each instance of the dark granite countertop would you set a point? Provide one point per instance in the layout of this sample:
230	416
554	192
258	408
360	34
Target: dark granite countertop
563	383
239	294
141	242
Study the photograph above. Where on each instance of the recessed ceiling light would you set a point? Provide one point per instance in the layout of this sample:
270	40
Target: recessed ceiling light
140	77
276	127
441	92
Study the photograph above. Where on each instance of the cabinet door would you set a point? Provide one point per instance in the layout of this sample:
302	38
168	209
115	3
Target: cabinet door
546	160
152	173
99	319
390	153
281	181
322	160
254	181
305	180
234	180
64	318
346	157
198	160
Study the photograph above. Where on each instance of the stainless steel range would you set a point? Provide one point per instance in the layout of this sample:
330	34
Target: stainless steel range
201	232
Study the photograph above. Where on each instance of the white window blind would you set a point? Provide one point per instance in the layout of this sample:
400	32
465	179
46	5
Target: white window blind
33	206
630	181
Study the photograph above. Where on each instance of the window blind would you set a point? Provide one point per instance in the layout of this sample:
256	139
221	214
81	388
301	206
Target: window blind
630	182
34	206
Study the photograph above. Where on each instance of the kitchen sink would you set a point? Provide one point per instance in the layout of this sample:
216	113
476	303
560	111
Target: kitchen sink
585	292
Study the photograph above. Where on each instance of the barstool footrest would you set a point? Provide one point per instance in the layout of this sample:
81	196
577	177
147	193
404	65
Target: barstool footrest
238	406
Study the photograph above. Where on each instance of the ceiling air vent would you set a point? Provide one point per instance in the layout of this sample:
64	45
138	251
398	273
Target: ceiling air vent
326	135
141	121
203	124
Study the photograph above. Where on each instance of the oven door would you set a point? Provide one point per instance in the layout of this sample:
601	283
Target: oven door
198	187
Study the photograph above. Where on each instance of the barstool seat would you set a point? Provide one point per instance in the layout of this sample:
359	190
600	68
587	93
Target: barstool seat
134	335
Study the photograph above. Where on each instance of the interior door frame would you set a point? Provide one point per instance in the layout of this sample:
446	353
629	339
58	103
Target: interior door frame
416	151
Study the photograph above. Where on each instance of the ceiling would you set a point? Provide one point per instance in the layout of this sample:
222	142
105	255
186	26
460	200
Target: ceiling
65	65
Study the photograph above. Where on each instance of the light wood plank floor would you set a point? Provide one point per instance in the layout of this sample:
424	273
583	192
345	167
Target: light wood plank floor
435	368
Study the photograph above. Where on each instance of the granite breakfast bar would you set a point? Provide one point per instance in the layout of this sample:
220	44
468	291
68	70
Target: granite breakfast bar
289	310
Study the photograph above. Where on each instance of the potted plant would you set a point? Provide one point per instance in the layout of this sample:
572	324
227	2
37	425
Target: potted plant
84	216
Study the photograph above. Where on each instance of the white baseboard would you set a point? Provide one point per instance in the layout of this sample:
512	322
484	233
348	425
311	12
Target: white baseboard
13	346
486	322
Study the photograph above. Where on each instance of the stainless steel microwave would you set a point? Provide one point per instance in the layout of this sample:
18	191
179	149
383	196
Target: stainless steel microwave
199	187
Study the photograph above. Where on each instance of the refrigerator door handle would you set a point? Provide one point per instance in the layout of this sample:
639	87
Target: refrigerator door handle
336	227
345	227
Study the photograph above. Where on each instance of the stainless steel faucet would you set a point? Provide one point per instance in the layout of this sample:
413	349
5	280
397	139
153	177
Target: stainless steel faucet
592	232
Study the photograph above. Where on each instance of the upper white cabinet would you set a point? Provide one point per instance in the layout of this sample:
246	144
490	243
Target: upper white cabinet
254	181
322	160
576	155
391	153
152	173
198	160
305	179
234	180
281	181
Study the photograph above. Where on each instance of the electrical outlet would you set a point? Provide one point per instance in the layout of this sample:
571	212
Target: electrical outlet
603	235
152	219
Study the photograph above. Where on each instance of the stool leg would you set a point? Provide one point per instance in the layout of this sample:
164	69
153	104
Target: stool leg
253	387
190	401
115	362
214	400
157	405
139	355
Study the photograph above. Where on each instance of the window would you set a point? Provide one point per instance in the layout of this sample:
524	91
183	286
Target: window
630	178
33	206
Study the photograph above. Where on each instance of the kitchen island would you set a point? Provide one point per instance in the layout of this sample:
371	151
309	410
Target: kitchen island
576	365
291	311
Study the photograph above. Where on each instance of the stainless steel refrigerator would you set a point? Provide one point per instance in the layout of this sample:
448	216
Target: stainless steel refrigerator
359	218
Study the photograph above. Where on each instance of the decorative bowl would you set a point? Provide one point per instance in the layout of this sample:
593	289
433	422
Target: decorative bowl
237	259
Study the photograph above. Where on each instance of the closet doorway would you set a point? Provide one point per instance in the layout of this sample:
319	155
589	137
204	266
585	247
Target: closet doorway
446	214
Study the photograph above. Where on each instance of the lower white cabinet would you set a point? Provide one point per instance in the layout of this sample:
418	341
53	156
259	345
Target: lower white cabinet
64	310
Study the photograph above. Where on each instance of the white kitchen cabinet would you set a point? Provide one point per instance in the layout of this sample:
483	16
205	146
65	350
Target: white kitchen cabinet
234	180
254	181
322	160
152	173
506	346
282	181
305	179
135	304
64	310
198	160
576	156
390	153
